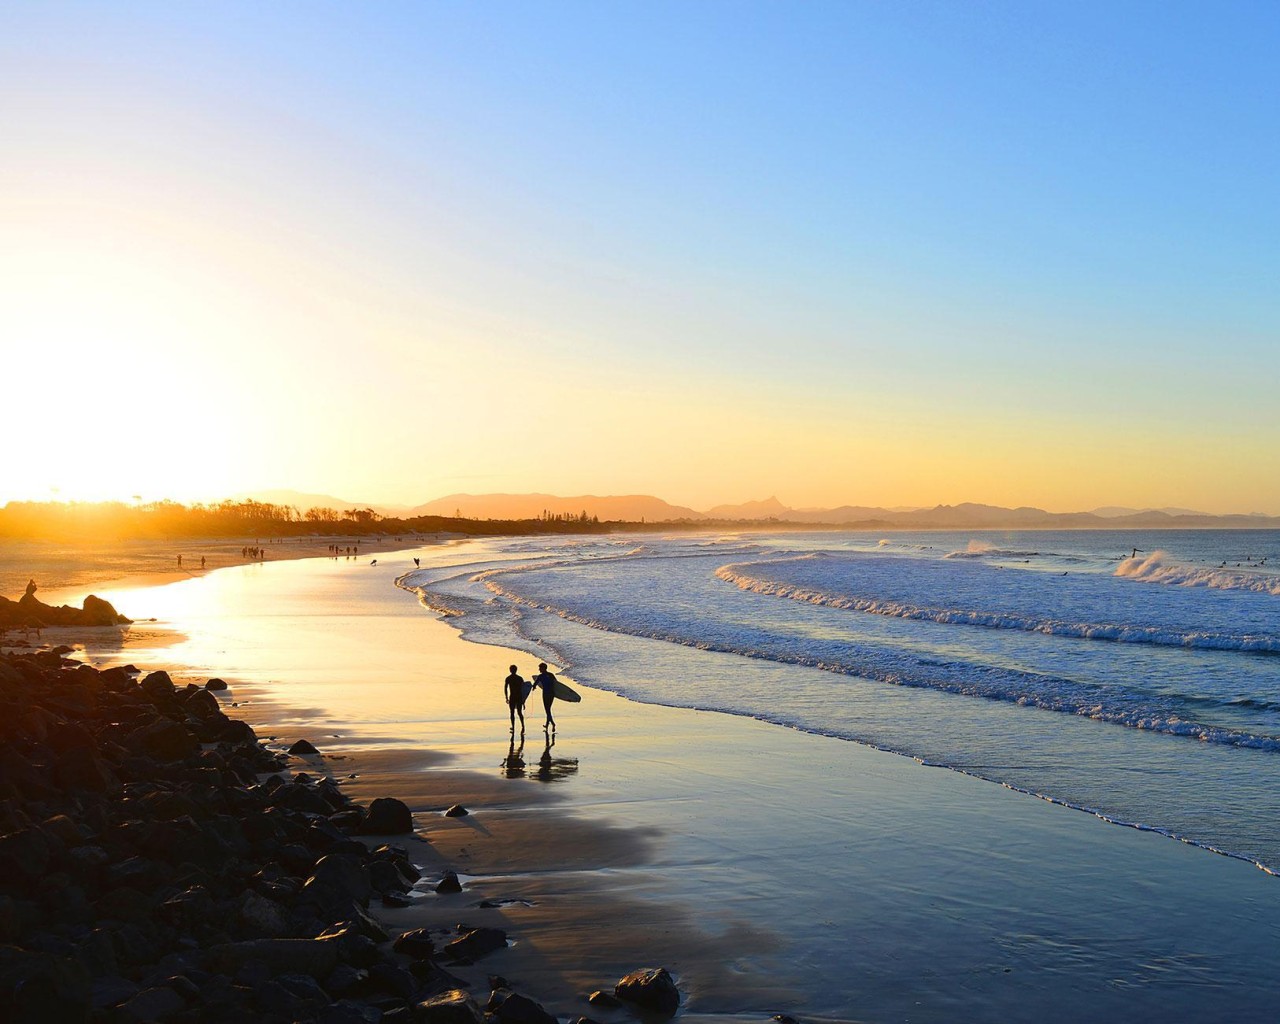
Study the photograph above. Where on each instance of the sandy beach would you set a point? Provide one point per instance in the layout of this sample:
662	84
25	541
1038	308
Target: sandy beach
67	572
770	871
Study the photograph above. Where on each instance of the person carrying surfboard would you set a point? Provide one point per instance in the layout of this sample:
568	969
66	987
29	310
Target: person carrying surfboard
516	691
546	682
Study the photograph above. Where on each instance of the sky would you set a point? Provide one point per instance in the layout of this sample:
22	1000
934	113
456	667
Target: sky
841	253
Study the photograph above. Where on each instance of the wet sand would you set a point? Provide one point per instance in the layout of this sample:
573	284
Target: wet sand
771	871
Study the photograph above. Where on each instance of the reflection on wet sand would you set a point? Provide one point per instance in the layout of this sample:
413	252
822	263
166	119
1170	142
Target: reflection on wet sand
549	769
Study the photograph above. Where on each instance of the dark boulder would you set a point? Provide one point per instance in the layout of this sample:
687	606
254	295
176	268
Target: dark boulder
270	957
509	1007
164	740
216	684
456	811
416	944
387	817
474	944
98	612
152	1004
651	989
38	987
336	882
303	748
157	686
452	1007
449	883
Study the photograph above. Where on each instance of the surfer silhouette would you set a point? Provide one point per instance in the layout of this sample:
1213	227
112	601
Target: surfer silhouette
545	681
516	691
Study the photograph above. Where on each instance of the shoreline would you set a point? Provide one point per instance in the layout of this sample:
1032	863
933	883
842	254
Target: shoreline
67	572
946	893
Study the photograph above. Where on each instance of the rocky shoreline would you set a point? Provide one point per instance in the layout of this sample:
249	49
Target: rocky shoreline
158	863
29	612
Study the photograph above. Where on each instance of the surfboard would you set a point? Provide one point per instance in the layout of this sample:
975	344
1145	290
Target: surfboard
528	688
564	692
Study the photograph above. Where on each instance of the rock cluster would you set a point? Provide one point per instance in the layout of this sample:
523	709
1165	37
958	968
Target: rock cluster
30	612
158	864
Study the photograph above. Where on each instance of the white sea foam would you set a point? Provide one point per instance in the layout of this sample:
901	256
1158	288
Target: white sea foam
1117	632
1159	567
901	669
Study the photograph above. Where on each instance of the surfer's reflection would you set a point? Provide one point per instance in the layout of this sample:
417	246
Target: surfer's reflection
552	769
513	763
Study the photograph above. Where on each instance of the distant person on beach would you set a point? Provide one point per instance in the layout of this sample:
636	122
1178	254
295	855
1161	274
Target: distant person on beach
179	561
31	588
513	689
546	682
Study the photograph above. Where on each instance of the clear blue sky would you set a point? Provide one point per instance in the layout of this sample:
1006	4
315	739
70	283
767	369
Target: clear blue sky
869	253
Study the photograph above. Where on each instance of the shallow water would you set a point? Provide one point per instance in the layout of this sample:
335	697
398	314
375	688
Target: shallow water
1143	688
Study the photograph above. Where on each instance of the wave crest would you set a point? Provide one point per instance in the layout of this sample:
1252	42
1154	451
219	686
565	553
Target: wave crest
1158	567
1116	632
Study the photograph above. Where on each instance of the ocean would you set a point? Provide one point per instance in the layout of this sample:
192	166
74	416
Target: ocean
1134	675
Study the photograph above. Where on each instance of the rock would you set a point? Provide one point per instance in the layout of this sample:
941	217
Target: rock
363	924
336	882
261	917
98	612
203	705
82	769
651	989
604	1000
303	748
509	1007
184	986
396	900
151	1004
346	1012
345	980
474	944
157	685
111	991
417	944
452	1007
387	817
456	811
449	883
386	877
216	684
315	957
39	987
396	980
292	994
65	829
164	740
24	856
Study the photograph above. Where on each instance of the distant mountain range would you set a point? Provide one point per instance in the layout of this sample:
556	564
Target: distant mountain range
635	508
631	508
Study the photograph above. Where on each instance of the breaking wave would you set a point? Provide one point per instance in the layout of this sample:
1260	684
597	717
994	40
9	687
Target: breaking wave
1117	632
896	667
1158	567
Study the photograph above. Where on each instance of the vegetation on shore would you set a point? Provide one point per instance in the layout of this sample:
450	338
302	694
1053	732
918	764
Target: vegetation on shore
78	521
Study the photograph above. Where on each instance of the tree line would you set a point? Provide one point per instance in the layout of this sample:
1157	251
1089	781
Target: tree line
113	520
